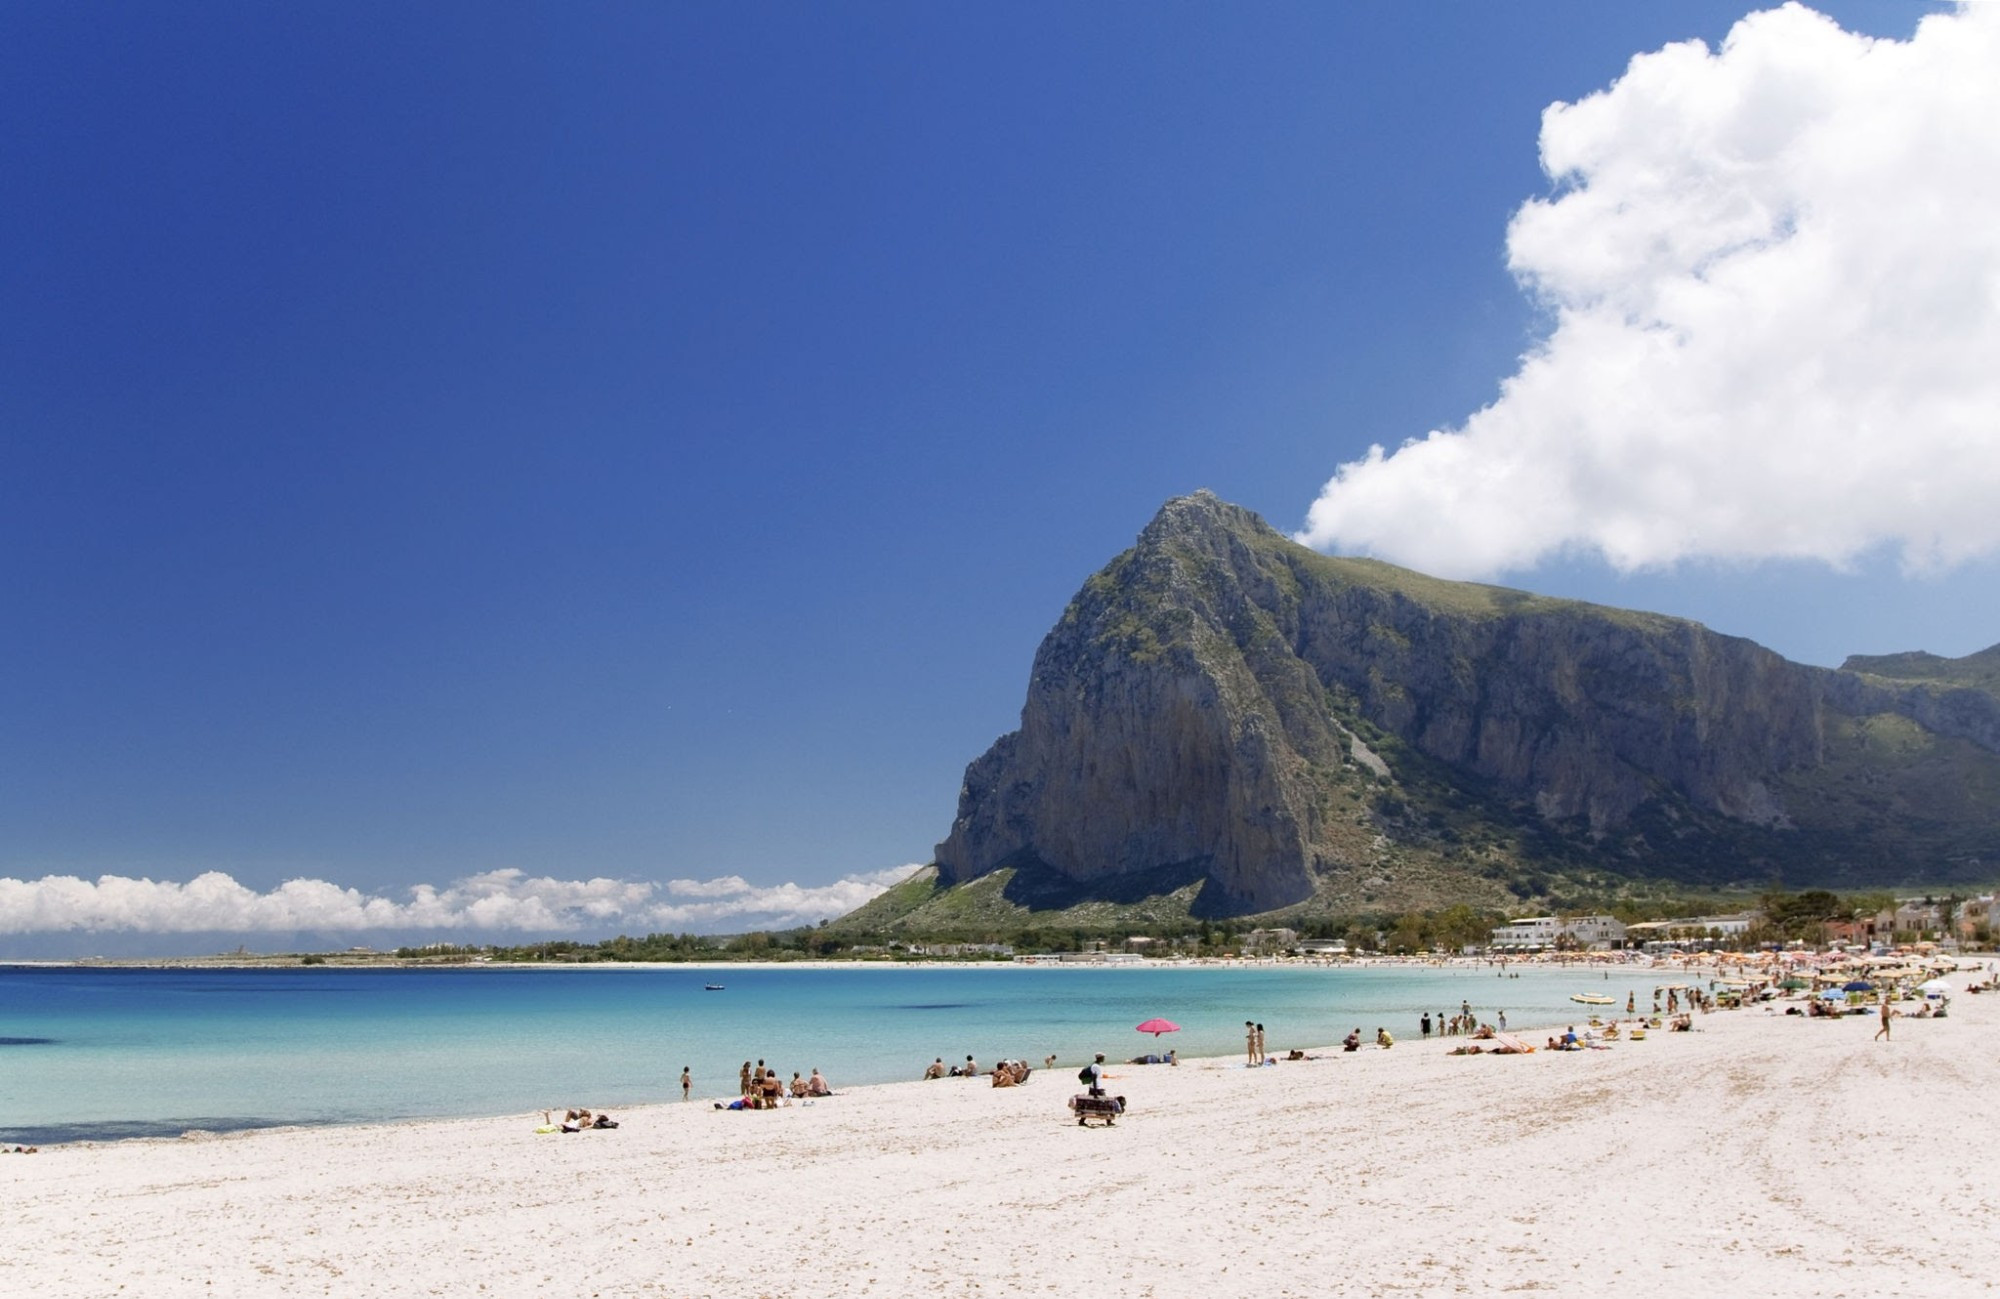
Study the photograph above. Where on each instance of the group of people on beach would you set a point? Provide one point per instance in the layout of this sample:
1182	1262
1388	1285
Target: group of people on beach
1352	1042
761	1088
937	1069
1007	1073
1464	1023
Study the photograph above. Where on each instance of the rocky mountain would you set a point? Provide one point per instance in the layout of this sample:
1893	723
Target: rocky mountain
1225	717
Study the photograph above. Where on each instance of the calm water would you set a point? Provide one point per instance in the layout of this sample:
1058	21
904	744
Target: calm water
100	1053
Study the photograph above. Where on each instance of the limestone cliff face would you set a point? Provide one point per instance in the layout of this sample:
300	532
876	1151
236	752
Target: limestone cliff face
1187	711
1151	738
1586	711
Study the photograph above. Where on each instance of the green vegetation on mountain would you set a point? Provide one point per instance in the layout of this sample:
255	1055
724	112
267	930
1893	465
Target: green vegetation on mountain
1980	671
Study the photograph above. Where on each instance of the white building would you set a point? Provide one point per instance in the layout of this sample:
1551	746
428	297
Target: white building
1691	930
1530	934
1538	933
1601	932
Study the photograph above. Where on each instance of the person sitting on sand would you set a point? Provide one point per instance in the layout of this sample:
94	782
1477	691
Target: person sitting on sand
603	1121
1352	1042
1383	1040
816	1085
936	1070
797	1090
1173	1056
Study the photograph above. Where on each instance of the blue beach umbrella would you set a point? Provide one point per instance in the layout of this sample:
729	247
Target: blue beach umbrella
1858	985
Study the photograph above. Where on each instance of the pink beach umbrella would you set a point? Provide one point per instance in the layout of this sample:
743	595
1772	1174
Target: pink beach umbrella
1159	1026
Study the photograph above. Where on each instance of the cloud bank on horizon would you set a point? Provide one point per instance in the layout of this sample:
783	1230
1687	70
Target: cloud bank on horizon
1773	277
495	902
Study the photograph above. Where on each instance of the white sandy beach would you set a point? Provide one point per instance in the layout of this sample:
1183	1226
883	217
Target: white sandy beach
1763	1154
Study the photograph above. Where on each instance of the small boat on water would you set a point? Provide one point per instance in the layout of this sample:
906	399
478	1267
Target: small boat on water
711	987
1592	999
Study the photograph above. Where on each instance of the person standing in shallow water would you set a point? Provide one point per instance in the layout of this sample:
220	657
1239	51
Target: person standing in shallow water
1425	1024
687	1082
1249	1042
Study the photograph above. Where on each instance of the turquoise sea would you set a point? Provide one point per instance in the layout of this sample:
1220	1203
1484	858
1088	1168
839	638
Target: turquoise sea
97	1053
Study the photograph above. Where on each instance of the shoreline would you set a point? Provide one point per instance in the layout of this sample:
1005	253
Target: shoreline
1593	962
1761	1149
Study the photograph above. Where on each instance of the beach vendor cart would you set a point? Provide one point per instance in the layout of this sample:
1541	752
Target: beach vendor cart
1103	1108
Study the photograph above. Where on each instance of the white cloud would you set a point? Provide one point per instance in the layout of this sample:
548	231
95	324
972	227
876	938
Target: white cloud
496	902
1774	278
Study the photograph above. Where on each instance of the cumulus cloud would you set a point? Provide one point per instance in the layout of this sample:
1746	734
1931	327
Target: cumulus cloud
1772	273
501	901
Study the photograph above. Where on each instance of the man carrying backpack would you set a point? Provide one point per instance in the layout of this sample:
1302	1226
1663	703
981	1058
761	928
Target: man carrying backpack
1092	1075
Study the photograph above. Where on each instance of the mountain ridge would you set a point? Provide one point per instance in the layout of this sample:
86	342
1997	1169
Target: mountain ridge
1272	728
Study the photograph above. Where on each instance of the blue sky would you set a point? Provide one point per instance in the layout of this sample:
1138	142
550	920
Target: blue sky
642	443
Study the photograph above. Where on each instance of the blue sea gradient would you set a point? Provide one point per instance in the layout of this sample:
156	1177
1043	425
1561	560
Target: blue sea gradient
104	1053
